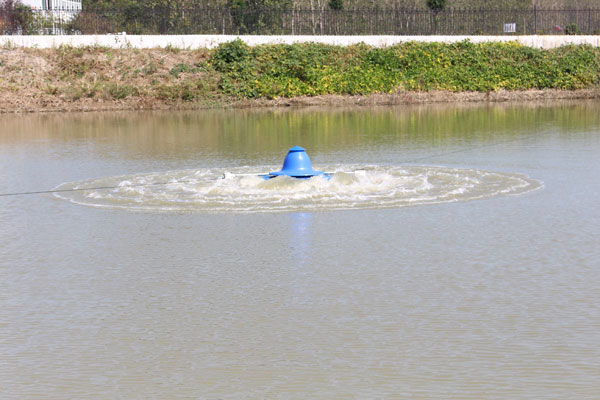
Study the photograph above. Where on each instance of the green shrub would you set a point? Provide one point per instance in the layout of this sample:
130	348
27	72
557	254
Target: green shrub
572	29
313	69
229	55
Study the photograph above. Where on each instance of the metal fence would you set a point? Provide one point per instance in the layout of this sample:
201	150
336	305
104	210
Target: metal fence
397	21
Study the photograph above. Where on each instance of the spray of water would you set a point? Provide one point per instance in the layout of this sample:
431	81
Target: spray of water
206	190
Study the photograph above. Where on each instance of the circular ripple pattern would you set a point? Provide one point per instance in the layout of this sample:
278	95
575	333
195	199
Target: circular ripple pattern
206	190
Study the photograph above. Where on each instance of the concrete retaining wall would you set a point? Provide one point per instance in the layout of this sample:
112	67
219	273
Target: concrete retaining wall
210	41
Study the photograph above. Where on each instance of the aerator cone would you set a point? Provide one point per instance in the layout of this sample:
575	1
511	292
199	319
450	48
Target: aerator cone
297	164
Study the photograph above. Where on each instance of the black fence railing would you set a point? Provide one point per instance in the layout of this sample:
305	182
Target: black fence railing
397	21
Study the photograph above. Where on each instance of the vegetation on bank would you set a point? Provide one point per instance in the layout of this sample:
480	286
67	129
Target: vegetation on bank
235	71
314	69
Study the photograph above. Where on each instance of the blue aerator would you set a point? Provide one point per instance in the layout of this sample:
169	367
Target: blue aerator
297	165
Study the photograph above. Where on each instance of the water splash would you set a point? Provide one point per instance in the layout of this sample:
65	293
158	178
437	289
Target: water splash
205	190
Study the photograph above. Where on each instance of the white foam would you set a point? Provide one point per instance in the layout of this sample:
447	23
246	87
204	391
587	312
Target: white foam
205	190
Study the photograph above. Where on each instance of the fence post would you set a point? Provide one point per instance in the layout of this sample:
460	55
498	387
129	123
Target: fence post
430	22
292	22
535	20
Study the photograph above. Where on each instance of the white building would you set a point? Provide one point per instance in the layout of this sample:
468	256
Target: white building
56	13
54	5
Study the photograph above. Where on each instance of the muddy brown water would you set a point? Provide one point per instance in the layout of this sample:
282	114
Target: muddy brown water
479	291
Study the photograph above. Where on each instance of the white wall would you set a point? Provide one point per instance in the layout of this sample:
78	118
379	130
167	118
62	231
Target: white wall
210	41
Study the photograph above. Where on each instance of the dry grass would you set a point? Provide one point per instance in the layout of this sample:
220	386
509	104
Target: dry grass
97	78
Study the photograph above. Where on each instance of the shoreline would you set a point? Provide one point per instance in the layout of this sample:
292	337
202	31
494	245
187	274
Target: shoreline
15	104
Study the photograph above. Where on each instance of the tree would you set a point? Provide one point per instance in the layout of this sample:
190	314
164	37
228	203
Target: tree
436	5
336	4
15	18
137	17
252	16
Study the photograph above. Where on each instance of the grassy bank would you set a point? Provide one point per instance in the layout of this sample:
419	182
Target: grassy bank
102	78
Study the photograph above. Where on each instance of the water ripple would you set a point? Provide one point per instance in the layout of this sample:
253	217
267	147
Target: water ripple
206	190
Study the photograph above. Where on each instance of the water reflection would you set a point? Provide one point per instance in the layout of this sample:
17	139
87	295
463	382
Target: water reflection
300	237
249	137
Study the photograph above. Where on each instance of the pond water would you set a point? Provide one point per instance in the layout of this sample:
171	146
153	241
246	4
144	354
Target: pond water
462	263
